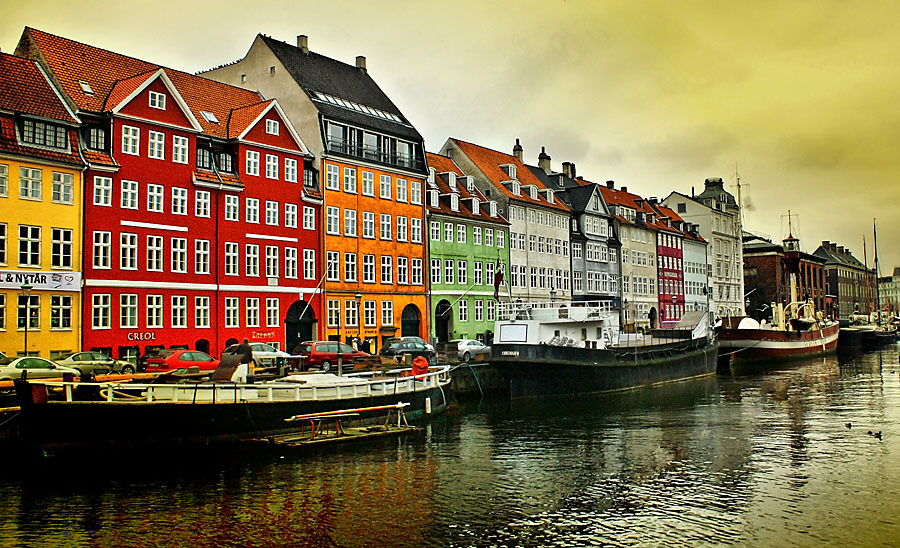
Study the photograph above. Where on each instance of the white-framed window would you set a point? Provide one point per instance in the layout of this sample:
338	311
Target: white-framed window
350	222
332	177
272	212
401	190
156	145
479	273
63	190
272	127
309	218
350	269
491	310
179	149
462	271
290	262
415	270
30	183
252	311
334	312
479	310
102	248
489	237
435	271
231	258
102	191
449	270
179	254
273	313
368	183
387	313
201	203
369	269
332	220
387	269
368	224
252	257
290	170
157	100
403	270
252	167
61	248
232	208
201	256
351	314
179	201
155	253
385	187
350	179
271	166
252	207
415	230
290	215
309	264
100	311
369	313
128	251
476	235
29	310
386	229
435	231
154	311
128	310
489	273
332	268
461	233
463	306
4	189
129	194
448	232
131	140
232	319
155	198
272	261
501	239
402	228
201	312
415	192
179	311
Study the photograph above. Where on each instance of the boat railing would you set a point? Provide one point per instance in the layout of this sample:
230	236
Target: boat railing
551	311
395	381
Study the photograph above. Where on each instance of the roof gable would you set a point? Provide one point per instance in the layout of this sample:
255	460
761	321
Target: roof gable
250	123
131	97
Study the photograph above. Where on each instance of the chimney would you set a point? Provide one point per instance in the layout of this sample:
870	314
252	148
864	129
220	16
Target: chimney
517	150
361	63
544	161
692	191
652	200
569	169
303	43
611	184
624	189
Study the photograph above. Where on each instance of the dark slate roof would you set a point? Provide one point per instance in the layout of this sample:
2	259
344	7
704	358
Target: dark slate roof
833	256
714	188
314	72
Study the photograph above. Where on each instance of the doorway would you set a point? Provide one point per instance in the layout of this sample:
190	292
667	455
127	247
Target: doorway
442	319
299	325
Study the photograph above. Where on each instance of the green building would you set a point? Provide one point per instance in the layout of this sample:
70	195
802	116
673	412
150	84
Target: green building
468	245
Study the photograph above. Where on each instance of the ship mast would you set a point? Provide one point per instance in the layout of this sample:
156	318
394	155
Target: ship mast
875	243
868	281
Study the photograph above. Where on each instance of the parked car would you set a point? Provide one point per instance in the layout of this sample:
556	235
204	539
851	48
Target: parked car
168	360
96	363
263	353
4	359
419	340
37	368
469	348
397	348
322	355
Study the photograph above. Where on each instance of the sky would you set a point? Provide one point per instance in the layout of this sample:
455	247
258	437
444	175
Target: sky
797	98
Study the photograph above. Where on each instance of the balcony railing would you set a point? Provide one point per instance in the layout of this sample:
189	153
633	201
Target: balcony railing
374	154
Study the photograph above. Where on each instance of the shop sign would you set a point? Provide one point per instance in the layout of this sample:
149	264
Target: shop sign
263	334
41	281
142	336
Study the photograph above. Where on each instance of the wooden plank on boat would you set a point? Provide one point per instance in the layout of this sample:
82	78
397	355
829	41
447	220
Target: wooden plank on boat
304	439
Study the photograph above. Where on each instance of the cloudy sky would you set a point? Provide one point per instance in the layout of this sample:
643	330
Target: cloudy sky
799	98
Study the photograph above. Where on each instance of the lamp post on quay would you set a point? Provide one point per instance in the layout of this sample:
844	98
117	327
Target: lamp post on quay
26	293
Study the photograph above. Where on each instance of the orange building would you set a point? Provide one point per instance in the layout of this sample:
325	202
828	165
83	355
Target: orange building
372	166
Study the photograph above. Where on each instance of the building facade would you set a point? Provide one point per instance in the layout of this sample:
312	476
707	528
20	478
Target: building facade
199	227
372	162
846	282
468	254
40	229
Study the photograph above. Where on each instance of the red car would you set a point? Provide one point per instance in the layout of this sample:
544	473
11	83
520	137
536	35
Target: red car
168	360
322	355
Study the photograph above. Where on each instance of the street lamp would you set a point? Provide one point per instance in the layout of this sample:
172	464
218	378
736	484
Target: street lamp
552	294
358	299
26	292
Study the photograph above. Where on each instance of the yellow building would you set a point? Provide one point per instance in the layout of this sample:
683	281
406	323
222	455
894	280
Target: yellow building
40	226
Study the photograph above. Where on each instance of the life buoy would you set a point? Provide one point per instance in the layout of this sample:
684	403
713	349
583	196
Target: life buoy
419	366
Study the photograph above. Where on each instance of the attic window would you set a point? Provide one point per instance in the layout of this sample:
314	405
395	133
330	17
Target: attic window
157	100
470	183
510	170
272	127
272	70
493	208
516	188
451	180
476	206
454	202
337	101
433	198
430	176
209	117
532	191
550	197
86	88
243	78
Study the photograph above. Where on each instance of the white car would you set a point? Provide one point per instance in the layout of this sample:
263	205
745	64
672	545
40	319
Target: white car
469	348
37	368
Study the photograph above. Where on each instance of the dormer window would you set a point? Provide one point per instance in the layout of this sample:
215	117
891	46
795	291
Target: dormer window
433	198
493	208
272	127
451	180
430	179
470	183
454	202
204	158
96	138
516	188
44	134
550	197
476	206
223	161
157	100
510	170
533	192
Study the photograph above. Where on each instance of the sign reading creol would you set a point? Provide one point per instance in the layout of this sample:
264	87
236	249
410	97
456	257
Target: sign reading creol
41	281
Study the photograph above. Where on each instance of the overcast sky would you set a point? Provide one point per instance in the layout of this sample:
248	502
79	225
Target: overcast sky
799	98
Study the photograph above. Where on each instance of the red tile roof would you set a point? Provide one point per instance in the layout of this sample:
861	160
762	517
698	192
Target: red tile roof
25	89
489	162
9	144
444	164
72	62
242	117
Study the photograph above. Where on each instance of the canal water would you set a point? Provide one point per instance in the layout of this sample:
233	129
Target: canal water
767	460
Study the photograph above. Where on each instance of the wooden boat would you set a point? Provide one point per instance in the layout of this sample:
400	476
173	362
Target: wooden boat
562	349
796	330
59	415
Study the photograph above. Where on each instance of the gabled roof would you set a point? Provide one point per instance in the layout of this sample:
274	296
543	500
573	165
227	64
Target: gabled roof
317	74
72	62
25	88
832	254
489	162
443	165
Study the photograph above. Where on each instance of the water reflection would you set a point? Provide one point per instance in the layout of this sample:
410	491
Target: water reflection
761	460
